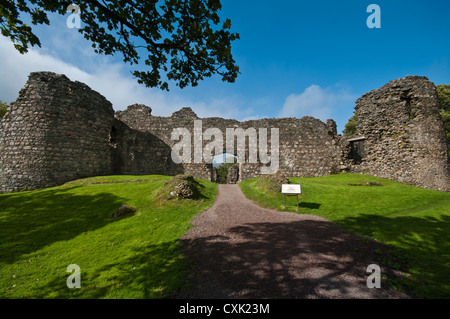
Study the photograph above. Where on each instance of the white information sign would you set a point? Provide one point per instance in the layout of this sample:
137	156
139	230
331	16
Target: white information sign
292	189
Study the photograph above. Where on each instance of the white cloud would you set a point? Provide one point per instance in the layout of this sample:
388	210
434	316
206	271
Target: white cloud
316	101
112	80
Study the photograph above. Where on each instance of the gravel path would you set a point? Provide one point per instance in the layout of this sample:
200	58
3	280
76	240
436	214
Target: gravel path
241	250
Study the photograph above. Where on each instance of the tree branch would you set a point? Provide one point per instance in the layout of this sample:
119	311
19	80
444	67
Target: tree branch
133	28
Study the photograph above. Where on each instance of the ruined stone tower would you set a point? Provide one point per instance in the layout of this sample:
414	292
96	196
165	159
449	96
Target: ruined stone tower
57	130
401	135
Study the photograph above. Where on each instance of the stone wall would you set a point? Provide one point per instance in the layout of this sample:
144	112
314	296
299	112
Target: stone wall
59	130
403	134
56	131
308	147
139	153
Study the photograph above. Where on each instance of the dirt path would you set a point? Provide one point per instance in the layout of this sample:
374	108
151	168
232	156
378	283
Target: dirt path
241	250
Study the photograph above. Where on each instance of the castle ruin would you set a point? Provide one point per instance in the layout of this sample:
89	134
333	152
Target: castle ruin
60	130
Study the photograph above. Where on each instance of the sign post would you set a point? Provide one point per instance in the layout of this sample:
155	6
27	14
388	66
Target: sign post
291	190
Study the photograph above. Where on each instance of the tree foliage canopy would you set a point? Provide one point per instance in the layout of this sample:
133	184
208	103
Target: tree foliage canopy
182	38
3	107
443	91
351	126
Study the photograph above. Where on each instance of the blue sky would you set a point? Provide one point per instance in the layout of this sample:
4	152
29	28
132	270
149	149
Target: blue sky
296	57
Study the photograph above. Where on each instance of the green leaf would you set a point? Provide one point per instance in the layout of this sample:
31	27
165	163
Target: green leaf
184	32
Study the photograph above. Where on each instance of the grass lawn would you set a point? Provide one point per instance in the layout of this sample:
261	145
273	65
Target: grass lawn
414	222
43	232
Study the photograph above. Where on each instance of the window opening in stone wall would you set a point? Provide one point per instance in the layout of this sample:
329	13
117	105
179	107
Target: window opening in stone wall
357	152
116	159
113	137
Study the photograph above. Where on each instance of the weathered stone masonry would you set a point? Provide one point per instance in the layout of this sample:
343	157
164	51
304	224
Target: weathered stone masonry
308	147
58	130
404	135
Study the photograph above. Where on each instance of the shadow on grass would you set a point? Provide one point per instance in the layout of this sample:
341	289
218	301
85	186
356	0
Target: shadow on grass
422	243
150	272
309	205
30	221
197	188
